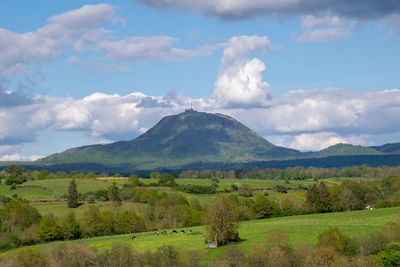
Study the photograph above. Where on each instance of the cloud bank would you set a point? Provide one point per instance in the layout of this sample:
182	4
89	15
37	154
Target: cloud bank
242	9
306	120
322	20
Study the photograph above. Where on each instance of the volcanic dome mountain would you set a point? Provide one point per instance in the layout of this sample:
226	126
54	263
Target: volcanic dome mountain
177	141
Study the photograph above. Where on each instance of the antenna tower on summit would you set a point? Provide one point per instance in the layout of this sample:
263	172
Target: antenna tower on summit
191	107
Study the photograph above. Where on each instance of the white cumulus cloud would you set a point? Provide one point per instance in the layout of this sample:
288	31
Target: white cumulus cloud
240	81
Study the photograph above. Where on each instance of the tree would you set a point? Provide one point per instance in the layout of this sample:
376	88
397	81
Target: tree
113	193
166	179
222	221
335	239
264	207
70	227
318	198
134	180
245	190
72	195
130	222
49	229
18	216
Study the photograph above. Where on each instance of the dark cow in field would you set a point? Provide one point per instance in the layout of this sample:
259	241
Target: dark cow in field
182	231
174	231
156	233
190	230
133	237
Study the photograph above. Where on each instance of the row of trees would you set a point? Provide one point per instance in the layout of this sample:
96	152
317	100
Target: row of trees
297	173
17	174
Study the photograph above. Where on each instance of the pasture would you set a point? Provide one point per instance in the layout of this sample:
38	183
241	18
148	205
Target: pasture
299	228
256	184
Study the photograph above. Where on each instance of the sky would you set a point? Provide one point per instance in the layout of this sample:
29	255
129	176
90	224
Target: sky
303	74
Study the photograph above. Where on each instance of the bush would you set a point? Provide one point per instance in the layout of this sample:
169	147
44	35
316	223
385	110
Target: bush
77	255
130	222
245	190
335	239
198	189
280	189
263	207
49	230
321	256
391	255
29	258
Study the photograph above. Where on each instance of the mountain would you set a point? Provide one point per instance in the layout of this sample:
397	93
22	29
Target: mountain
347	150
388	148
176	141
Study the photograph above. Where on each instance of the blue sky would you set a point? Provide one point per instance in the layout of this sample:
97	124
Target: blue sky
302	75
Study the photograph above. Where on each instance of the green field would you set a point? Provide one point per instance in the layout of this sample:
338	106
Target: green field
226	183
51	188
299	228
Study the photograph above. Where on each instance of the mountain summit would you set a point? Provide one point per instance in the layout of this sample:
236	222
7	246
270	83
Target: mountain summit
177	141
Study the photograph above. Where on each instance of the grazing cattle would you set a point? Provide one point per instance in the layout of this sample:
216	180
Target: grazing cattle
174	231
190	231
164	232
133	237
182	231
156	233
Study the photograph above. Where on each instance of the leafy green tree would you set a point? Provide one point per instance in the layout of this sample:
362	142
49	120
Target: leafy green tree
49	229
338	241
221	221
70	227
96	223
134	180
130	222
113	193
167	179
245	190
73	195
18	216
263	207
391	255
318	198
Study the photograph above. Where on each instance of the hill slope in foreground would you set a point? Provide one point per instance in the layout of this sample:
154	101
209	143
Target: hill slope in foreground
177	141
299	228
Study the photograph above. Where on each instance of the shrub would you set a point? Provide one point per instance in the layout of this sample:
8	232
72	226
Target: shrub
263	207
49	229
29	257
335	239
245	190
198	189
77	255
391	255
321	256
280	189
130	222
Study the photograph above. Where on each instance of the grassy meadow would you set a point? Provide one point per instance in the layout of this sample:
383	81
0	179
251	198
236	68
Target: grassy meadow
299	228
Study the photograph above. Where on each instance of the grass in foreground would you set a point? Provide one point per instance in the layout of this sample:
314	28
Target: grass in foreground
303	227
